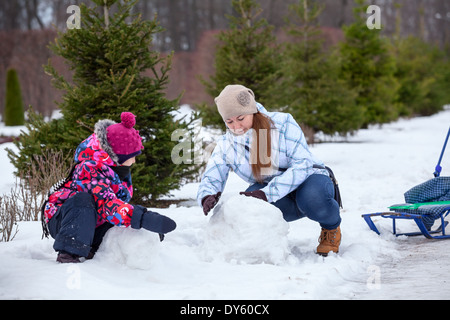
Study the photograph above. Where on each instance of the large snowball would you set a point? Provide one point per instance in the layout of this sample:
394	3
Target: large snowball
136	249
248	230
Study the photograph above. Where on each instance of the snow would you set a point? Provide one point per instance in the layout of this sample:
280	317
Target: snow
255	233
245	250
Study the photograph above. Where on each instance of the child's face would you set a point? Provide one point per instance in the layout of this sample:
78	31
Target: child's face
129	162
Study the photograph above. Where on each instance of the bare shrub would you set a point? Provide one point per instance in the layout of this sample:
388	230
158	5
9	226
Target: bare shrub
8	219
47	170
30	191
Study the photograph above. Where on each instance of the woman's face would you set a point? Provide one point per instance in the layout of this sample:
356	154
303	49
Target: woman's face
240	124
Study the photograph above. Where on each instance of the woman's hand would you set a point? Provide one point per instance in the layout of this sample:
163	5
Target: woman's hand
258	194
208	202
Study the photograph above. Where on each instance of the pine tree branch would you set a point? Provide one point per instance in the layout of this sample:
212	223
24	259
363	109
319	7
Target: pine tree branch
82	124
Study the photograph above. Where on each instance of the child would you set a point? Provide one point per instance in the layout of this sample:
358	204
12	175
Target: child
96	194
269	150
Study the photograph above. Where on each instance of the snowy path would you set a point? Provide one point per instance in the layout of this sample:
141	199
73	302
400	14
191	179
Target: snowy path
374	168
421	273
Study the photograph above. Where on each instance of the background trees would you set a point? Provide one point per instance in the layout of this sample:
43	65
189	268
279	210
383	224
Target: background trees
368	68
423	74
247	55
13	115
312	90
186	20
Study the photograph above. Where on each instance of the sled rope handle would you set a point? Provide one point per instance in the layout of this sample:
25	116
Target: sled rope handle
438	169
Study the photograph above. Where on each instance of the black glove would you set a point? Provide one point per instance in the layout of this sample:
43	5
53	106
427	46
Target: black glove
258	194
152	221
208	202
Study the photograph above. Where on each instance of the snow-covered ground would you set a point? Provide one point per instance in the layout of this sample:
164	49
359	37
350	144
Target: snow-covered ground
246	250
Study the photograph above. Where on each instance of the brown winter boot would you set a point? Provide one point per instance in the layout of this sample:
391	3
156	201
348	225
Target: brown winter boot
329	240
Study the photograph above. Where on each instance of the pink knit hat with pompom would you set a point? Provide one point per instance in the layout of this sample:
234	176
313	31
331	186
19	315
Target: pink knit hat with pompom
124	139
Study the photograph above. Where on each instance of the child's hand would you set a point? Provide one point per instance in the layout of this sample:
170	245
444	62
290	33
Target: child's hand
152	221
158	223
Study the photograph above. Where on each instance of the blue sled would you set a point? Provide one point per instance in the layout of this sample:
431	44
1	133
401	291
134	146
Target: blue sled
416	217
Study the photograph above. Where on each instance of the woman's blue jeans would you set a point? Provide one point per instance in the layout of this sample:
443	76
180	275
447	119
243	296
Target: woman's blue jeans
313	199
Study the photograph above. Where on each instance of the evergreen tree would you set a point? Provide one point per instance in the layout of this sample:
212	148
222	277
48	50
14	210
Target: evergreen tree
247	55
368	67
313	93
110	55
13	114
423	75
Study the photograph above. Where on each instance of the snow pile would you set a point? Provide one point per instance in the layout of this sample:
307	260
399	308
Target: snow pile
247	230
136	249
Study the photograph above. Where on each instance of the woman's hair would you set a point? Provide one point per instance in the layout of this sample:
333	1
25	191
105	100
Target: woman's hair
260	154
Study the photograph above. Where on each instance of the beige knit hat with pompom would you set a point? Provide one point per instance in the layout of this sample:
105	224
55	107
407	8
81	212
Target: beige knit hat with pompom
235	100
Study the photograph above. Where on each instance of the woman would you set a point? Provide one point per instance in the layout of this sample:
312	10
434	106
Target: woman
269	151
96	194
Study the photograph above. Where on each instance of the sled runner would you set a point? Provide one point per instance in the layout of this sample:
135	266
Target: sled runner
425	203
418	218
